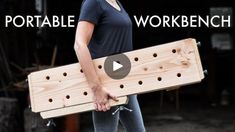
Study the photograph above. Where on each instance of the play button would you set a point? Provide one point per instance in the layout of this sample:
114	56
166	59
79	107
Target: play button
117	66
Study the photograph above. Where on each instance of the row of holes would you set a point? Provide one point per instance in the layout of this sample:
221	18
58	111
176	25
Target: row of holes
100	66
159	79
67	97
154	55
65	74
121	86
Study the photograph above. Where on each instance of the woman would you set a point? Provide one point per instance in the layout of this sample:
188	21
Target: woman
104	28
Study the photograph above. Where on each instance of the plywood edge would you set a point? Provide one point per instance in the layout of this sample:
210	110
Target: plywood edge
198	59
51	68
160	45
79	108
31	93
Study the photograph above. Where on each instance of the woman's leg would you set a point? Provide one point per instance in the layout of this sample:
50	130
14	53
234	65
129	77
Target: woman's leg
132	121
105	121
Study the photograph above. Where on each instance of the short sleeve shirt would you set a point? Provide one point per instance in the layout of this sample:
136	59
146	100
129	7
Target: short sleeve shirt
113	28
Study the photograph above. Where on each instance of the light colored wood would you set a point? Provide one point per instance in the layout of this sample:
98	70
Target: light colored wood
199	63
79	108
147	69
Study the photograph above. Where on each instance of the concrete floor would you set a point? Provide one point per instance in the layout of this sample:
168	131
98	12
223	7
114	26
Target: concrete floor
193	116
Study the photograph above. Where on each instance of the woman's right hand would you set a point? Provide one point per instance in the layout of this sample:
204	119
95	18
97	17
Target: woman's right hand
101	99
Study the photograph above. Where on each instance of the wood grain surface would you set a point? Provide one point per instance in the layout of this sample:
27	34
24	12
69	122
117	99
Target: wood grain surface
79	108
156	68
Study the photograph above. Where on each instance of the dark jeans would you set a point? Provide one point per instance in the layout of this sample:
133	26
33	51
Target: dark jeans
131	121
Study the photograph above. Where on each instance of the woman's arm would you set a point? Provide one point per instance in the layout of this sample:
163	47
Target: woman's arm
83	36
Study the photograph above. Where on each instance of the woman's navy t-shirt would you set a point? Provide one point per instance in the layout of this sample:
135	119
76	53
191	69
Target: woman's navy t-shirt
113	28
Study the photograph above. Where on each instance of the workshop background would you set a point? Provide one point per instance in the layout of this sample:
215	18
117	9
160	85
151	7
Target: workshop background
204	107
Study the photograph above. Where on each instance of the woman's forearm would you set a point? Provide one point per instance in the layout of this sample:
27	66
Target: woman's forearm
82	39
87	65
